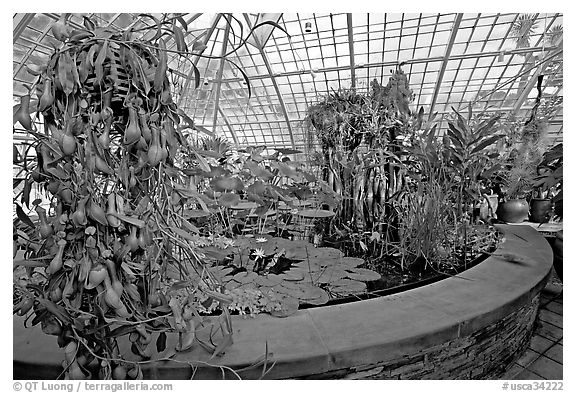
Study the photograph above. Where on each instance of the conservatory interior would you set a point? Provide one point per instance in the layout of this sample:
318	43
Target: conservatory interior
287	196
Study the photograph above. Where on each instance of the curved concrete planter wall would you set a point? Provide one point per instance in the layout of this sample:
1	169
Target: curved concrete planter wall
465	327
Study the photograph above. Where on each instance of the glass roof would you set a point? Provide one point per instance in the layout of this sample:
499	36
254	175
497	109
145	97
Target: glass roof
488	60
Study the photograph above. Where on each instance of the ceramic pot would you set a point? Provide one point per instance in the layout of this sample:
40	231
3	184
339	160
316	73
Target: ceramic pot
540	210
514	211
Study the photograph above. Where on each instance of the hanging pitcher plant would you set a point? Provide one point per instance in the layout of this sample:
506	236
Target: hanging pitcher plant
112	254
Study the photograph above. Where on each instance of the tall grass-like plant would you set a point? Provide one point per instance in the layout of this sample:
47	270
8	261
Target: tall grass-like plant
427	224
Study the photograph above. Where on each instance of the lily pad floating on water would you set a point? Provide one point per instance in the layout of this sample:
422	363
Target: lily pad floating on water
215	253
309	292
269	280
322	298
288	306
295	285
351	262
230	285
315	295
324	253
332	274
362	274
245	277
346	287
294	291
292	275
220	271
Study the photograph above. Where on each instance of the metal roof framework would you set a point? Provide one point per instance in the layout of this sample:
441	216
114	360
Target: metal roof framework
451	59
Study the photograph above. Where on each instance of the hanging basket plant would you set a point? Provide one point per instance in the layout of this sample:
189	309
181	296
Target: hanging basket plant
111	254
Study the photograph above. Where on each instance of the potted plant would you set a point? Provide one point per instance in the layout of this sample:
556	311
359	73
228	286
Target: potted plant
520	170
513	206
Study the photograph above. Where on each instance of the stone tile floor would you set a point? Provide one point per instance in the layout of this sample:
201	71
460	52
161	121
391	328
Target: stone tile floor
543	359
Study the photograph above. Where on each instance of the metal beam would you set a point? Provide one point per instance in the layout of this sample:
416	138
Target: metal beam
445	60
499	109
232	132
219	74
21	21
274	82
203	129
488	110
351	49
197	59
30	51
391	63
532	82
112	20
265	32
194	17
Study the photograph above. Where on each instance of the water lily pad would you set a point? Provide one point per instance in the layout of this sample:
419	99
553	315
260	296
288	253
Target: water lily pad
245	277
227	279
296	252
220	271
309	291
294	292
291	285
362	274
314	295
288	306
331	275
327	262
293	275
268	281
348	287
312	265
325	252
322	299
232	284
351	262
215	253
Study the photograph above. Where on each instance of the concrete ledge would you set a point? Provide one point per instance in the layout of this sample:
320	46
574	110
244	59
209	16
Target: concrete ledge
487	311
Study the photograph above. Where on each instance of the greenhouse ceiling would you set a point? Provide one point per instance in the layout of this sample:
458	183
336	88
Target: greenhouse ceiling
490	62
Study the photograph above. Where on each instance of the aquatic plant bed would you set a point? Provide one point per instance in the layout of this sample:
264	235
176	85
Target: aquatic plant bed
471	326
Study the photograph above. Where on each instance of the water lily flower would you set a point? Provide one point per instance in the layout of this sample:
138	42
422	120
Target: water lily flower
261	240
259	253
